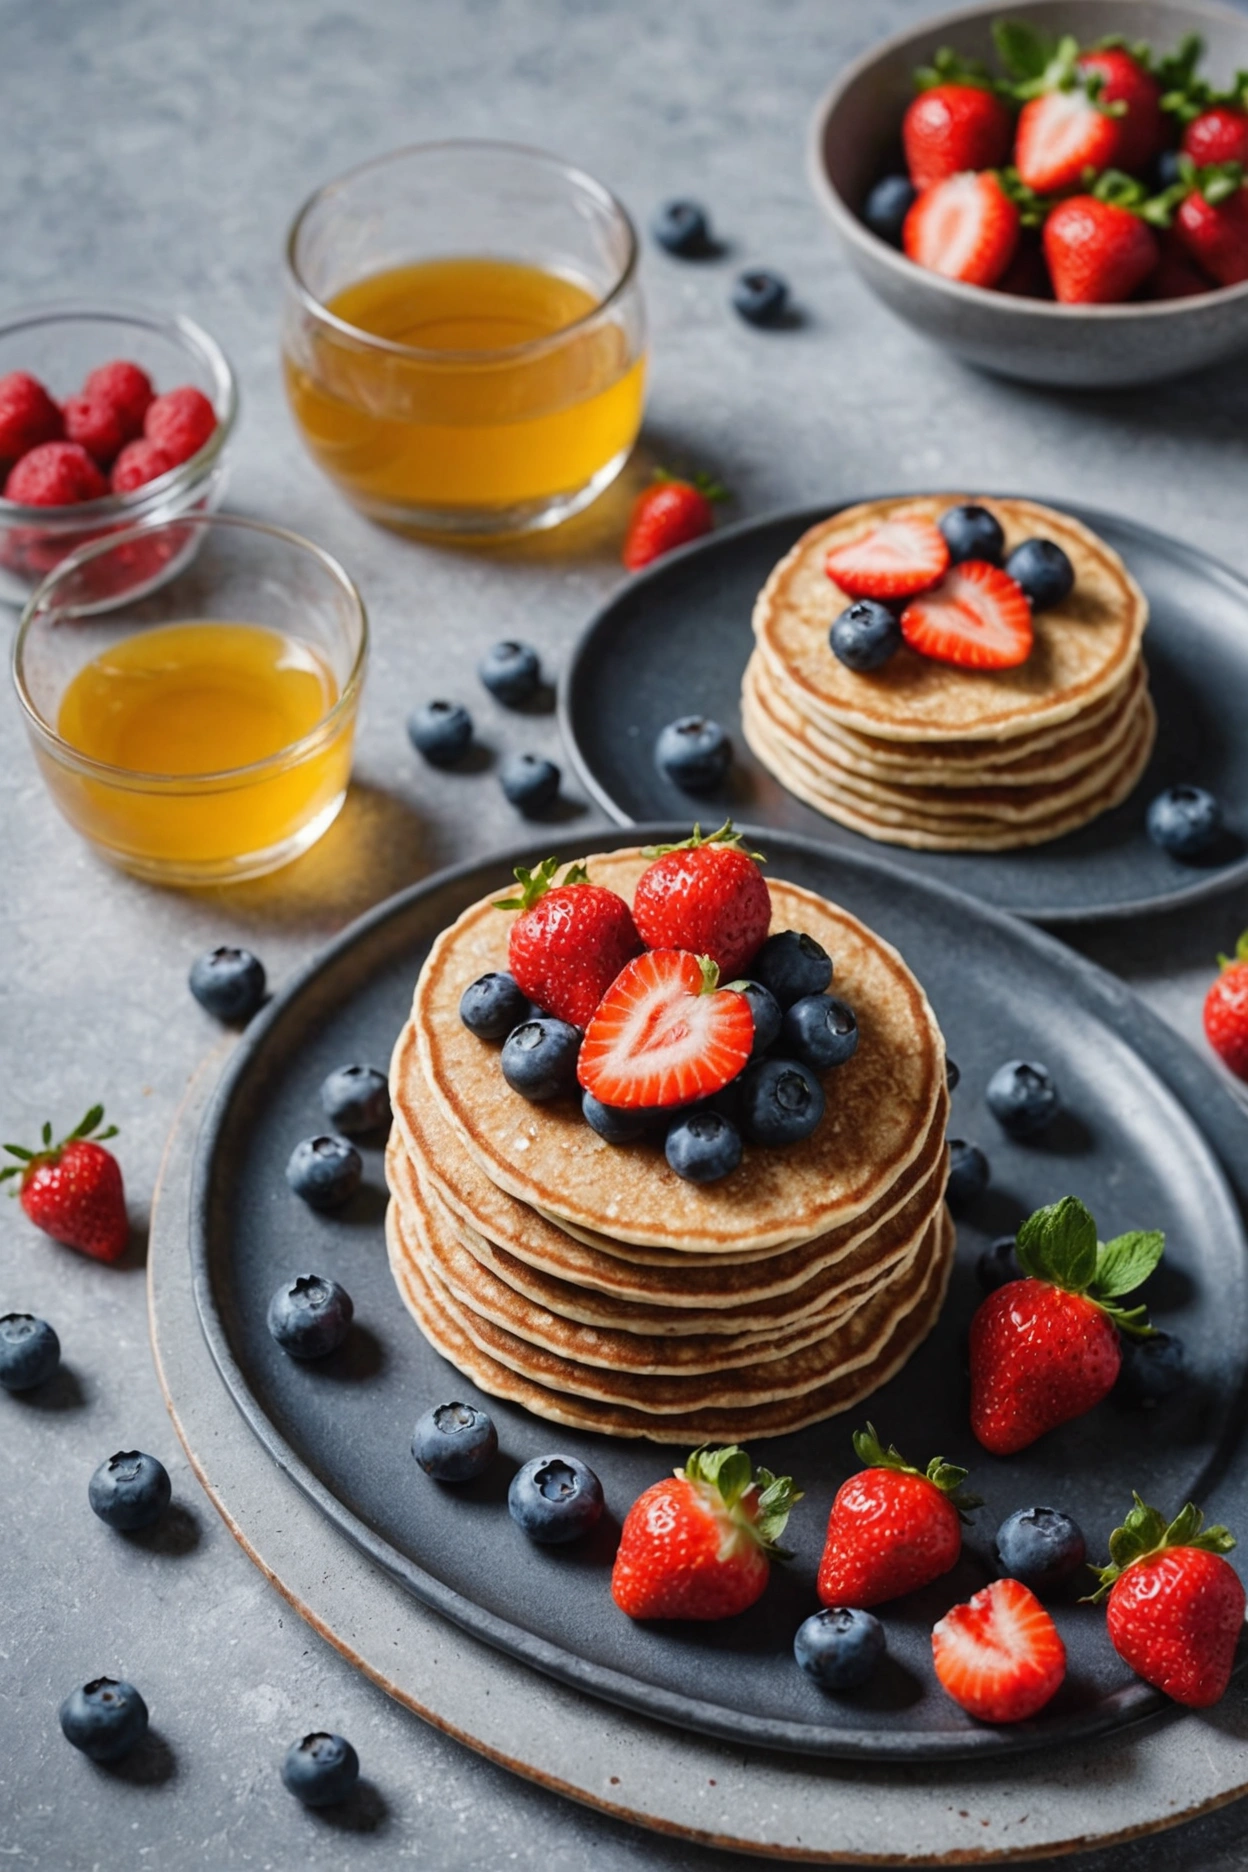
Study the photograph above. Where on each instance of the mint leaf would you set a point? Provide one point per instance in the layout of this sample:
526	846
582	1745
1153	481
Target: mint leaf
1058	1244
1125	1263
1023	51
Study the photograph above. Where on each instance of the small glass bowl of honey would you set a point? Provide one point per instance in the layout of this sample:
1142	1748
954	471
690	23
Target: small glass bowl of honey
464	337
200	734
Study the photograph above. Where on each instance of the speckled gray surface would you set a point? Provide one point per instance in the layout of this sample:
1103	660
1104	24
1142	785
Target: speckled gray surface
157	151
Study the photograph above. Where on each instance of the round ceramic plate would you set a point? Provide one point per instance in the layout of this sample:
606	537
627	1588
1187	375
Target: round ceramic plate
675	639
1128	1144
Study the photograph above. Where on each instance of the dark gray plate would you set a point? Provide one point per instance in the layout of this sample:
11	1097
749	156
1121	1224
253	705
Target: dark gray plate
1128	1144
674	641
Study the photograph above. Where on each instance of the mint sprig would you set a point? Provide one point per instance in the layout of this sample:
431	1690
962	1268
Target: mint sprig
1059	1244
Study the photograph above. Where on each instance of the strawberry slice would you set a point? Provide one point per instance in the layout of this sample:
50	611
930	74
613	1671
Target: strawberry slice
895	560
1000	1655
1059	136
665	1034
978	617
965	228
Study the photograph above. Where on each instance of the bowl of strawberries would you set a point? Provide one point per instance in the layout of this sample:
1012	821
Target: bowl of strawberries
109	416
1056	190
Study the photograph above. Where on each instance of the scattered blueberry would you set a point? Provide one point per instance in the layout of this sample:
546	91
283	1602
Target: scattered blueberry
511	672
1023	1097
820	1031
356	1099
441	731
555	1499
1044	572
999	1264
1041	1547
325	1171
682	228
793	965
953	1074
539	1058
454	1442
781	1102
310	1317
703	1145
105	1718
972	533
1166	170
29	1351
529	781
1185	821
865	635
887	206
839	1647
229	983
130	1490
694	753
760	297
1152	1370
613	1123
968	1174
321	1770
492	1005
767	1016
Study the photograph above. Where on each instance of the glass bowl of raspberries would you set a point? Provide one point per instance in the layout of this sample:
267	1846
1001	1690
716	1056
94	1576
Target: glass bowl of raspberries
108	416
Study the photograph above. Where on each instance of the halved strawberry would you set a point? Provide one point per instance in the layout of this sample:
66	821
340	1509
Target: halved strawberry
978	617
894	560
965	228
1000	1655
1059	136
665	1034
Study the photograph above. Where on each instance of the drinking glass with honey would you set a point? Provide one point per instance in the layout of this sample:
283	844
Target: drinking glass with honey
201	734
464	337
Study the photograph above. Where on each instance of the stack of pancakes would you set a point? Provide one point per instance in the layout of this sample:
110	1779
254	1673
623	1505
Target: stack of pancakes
589	1283
930	755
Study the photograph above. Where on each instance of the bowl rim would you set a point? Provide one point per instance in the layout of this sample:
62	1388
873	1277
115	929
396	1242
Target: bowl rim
855	231
187	476
136	779
533	347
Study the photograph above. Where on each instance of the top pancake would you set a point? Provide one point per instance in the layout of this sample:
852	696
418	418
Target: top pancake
1084	648
881	1103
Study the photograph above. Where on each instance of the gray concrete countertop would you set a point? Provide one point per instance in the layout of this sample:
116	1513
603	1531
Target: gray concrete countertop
156	152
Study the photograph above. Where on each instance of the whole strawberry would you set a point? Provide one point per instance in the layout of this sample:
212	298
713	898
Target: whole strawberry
893	1528
1045	1349
1176	1607
570	941
73	1190
1226	1010
1218	135
669	513
700	1545
1098	252
1212	219
706	895
954	126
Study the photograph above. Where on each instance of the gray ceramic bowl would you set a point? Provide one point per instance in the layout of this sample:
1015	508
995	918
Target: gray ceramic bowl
1081	347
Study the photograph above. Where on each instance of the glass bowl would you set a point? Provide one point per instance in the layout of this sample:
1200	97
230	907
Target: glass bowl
463	339
59	344
200	733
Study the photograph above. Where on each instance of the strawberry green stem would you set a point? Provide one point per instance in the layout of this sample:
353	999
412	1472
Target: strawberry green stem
87	1129
1145	1533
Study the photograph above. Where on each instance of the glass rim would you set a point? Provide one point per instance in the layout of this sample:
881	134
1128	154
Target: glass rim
459	358
224	778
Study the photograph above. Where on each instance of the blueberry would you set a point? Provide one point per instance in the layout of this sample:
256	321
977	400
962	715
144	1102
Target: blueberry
703	1145
1185	821
555	1499
1166	170
529	781
511	672
539	1058
321	1770
1044	572
839	1647
492	1005
105	1718
356	1099
454	1442
793	965
820	1031
760	297
441	731
1041	1547
865	635
767	1016
1152	1370
130	1490
887	206
1023	1097
325	1171
29	1351
953	1075
972	533
998	1264
968	1175
781	1102
694	753
613	1123
229	983
310	1317
682	227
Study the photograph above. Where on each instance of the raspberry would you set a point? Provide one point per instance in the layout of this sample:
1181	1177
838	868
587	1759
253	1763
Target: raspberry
180	422
139	463
126	387
28	416
56	474
101	427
